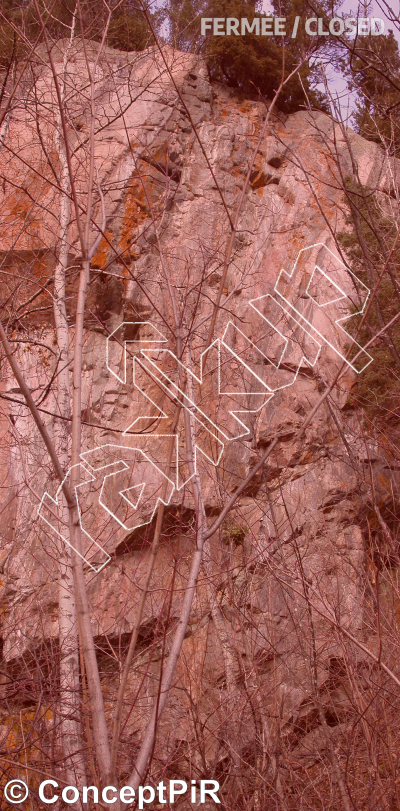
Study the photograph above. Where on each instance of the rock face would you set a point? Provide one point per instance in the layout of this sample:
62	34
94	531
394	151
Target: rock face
288	562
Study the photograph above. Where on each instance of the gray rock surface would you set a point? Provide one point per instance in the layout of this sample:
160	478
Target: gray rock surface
168	226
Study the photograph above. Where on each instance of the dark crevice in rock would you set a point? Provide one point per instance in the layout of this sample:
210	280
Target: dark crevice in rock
111	650
109	294
259	179
176	522
34	675
276	161
168	168
31	677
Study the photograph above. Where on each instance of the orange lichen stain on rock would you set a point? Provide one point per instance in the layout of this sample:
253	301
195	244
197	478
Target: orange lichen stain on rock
295	245
20	223
245	107
135	212
19	738
102	254
161	153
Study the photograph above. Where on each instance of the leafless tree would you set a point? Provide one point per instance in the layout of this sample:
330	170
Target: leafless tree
62	247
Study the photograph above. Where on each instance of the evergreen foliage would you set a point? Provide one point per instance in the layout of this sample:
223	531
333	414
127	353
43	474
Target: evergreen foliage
128	30
11	42
374	72
251	64
19	25
371	246
184	23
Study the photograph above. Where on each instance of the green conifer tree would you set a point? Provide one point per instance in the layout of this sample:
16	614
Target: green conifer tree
374	73
251	64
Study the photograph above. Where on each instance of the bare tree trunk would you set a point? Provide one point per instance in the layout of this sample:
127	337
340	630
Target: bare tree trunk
83	613
70	709
229	660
